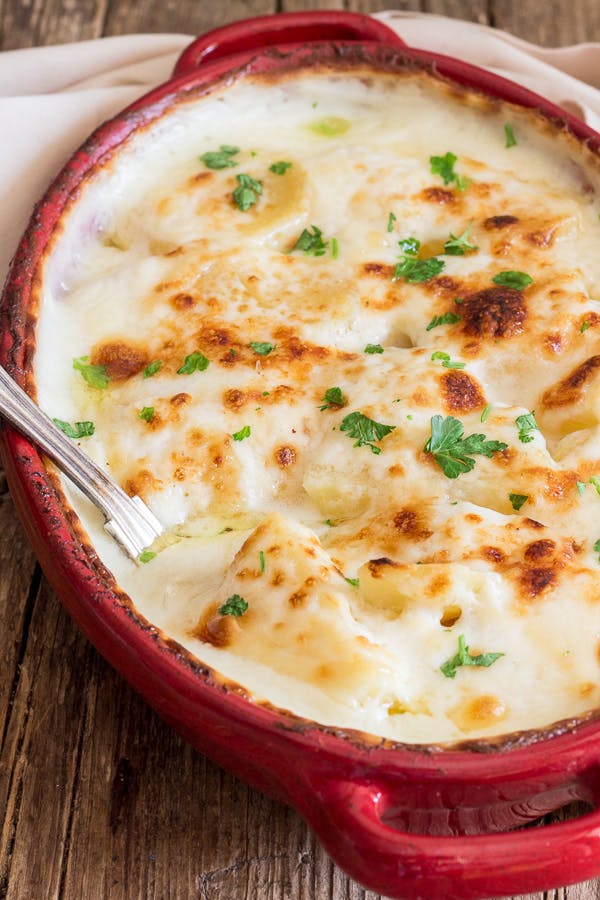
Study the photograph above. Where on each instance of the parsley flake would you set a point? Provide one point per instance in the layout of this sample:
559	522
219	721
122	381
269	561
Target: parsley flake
221	158
247	192
444	166
373	348
261	557
518	281
76	431
464	658
485	413
390	222
152	368
517	500
335	248
146	413
194	362
311	244
95	376
511	140
458	246
453	452
584	326
233	606
263	348
412	269
526	424
365	430
448	318
410	246
446	361
333	399
280	167
242	434
594	480
353	581
146	556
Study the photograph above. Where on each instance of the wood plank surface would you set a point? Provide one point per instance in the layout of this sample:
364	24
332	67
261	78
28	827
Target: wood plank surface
98	798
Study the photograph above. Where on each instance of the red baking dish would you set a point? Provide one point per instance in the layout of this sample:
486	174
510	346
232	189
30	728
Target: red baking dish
406	821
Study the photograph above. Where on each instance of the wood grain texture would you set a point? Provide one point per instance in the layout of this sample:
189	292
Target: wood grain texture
179	16
551	24
29	23
99	798
471	10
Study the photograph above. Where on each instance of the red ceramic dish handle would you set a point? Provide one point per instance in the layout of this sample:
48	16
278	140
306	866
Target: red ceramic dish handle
421	867
282	29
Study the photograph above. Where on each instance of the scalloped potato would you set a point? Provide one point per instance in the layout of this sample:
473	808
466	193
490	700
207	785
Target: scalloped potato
354	371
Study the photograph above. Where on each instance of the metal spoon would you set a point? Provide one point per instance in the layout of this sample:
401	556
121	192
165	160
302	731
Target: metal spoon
128	519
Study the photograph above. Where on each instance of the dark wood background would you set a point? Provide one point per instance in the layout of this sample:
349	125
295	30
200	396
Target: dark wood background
98	798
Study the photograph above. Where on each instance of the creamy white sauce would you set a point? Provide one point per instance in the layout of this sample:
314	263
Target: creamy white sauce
144	231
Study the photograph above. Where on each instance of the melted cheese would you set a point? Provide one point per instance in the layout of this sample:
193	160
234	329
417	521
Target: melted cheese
361	566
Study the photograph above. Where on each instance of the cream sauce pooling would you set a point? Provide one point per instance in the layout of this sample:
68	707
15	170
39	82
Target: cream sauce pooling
361	570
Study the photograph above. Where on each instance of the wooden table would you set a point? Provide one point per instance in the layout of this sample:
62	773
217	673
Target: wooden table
100	799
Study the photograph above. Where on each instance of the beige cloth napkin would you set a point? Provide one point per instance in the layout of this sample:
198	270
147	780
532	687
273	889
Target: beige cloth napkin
51	98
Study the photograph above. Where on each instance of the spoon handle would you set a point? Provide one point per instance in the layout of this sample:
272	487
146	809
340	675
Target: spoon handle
128	519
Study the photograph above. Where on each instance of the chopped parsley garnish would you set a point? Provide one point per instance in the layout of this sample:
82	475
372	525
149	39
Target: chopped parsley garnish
526	424
365	430
263	348
464	658
330	523
448	318
584	326
413	269
280	167
594	480
333	399
459	300
247	192
390	222
410	246
353	581
261	557
221	158
518	281
458	246
194	362
511	140
335	248
444	166
485	413
446	361
452	451
517	500
95	376
242	434
146	413
233	606
597	547
311	244
76	431
152	368
373	348
146	556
